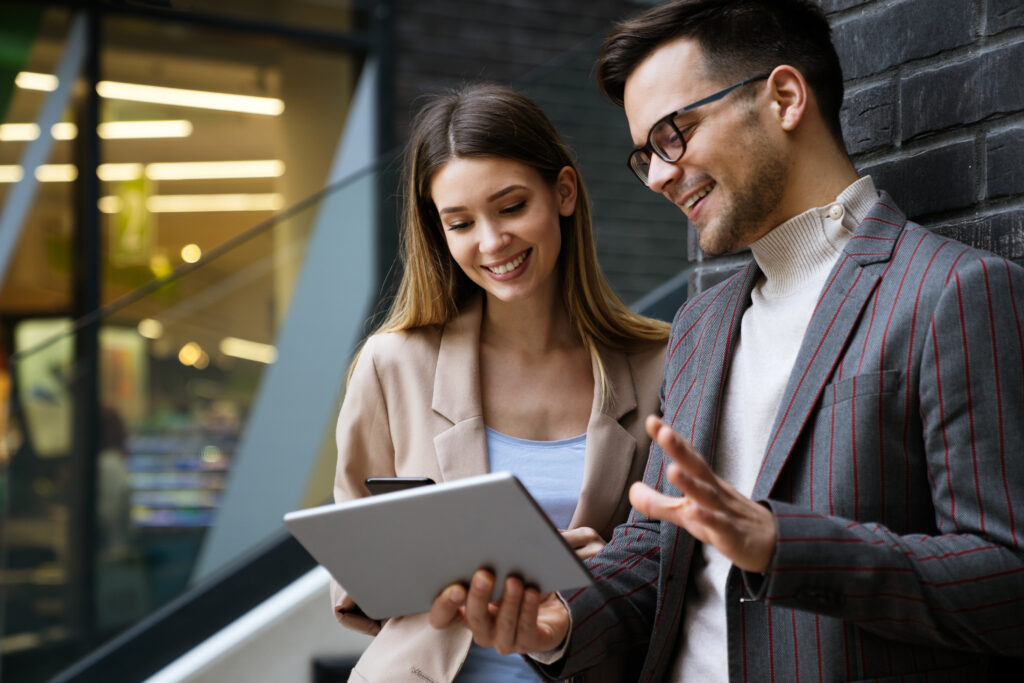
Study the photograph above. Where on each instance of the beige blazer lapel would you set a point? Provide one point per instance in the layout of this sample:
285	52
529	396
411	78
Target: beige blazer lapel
610	447
462	448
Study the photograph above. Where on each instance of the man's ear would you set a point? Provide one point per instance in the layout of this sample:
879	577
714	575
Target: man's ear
789	93
565	189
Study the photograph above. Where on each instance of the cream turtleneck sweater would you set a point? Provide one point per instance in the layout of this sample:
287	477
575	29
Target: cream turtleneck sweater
795	259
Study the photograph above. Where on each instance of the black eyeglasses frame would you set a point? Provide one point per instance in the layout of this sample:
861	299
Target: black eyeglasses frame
670	120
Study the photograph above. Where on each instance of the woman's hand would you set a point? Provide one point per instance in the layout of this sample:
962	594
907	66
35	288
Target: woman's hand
584	540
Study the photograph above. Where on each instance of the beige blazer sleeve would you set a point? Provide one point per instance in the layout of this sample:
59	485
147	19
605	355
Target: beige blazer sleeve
364	436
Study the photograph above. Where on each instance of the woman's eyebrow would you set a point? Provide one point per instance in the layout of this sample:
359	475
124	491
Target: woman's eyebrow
497	195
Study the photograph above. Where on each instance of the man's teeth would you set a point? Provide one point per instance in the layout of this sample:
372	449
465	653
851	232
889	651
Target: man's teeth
510	266
697	197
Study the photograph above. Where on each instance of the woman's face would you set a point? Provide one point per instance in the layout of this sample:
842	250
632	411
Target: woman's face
500	220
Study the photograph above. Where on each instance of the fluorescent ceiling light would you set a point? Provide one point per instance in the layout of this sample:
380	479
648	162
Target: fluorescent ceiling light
200	203
10	132
183	203
113	130
45	173
248	350
56	173
11	173
120	130
28	80
186	170
118	172
204	170
201	99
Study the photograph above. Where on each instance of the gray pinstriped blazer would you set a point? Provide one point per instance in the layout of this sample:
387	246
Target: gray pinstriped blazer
895	472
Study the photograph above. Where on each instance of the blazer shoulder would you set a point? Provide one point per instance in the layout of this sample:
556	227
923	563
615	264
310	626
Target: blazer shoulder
647	360
388	348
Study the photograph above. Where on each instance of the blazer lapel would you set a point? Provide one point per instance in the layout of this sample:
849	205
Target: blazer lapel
462	448
610	447
699	412
847	292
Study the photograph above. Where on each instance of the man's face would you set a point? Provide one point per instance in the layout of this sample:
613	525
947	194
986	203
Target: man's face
731	178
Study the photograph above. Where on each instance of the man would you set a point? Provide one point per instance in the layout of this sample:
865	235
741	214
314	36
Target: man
835	488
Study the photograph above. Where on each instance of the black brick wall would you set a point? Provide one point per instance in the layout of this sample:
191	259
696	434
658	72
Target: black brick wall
934	112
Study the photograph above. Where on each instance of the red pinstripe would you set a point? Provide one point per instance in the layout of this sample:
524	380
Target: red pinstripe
771	645
686	363
853	454
796	650
970	402
686	332
821	342
942	423
974	579
831	453
607	602
817	640
881	367
1020	347
999	390
910	355
881	220
952	267
718	334
960	553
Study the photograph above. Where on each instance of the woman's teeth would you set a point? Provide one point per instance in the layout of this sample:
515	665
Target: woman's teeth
510	266
697	197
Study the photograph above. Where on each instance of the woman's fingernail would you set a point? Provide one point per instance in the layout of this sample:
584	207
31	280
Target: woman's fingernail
457	595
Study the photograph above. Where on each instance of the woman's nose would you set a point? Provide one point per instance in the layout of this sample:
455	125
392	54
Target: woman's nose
492	239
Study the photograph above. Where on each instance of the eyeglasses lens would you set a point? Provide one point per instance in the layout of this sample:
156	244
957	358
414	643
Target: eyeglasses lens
640	162
667	142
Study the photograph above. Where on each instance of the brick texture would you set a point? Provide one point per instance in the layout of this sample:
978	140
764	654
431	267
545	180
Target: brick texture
934	112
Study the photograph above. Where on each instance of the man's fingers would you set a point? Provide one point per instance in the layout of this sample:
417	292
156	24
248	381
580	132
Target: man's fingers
445	611
527	630
478	618
656	504
507	621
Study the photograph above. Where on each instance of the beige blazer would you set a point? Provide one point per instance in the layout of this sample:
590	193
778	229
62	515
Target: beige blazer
386	428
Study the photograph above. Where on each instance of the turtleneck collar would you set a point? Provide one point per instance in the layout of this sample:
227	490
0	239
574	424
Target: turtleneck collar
805	246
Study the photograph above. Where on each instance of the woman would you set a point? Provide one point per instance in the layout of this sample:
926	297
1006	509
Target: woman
504	349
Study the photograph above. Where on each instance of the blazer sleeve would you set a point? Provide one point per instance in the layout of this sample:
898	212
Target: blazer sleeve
963	586
365	448
615	615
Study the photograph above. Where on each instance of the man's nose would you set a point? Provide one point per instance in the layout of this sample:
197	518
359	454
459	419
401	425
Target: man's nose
661	173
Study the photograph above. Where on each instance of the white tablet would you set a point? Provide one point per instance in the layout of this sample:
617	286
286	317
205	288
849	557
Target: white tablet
395	552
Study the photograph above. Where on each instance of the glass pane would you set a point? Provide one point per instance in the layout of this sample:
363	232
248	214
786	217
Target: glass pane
38	272
205	133
181	363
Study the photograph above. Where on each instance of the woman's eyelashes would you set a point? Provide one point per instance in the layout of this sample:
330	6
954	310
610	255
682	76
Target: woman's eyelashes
514	208
505	211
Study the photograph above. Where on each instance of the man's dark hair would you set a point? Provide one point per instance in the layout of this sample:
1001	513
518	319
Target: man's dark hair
739	39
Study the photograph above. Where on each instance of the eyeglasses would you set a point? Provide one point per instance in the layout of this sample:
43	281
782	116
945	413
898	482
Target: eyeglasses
665	138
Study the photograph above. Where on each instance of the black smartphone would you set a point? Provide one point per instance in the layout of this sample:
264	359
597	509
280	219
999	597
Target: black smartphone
376	485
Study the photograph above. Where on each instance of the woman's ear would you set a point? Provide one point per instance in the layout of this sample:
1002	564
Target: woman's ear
789	93
565	190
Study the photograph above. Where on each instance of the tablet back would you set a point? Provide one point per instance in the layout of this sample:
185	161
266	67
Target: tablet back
394	553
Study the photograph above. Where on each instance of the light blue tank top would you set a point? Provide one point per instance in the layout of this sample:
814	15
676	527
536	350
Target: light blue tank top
552	471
